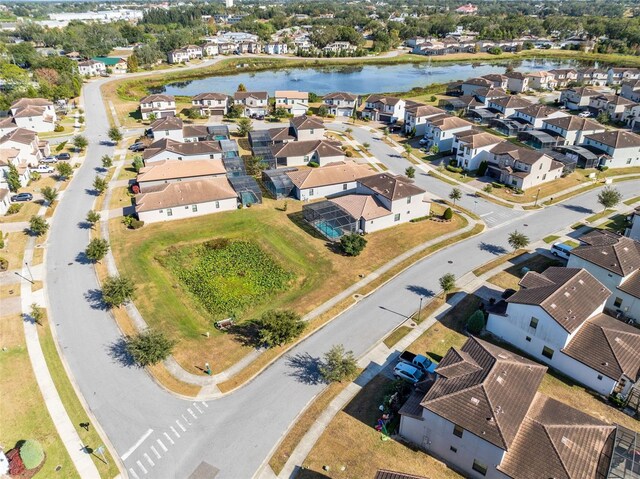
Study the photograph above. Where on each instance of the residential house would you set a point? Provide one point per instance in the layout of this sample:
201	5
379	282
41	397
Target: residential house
616	107
253	103
416	117
307	128
32	149
211	104
210	49
167	149
157	106
338	178
300	153
537	113
468	9
483	416
633	231
521	167
91	68
294	102
13	157
592	76
572	128
622	147
564	76
37	114
631	90
474	146
518	82
117	65
177	56
497	80
173	171
339	47
615	261
541	80
5	200
340	103
507	106
6	125
577	98
615	76
439	131
486	95
472	85
276	48
557	318
384	108
187	199
167	127
198	133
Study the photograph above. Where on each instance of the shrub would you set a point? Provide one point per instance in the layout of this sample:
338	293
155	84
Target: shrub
603	168
432	99
136	224
4	263
421	218
14	208
38	225
487	189
447	282
352	244
279	327
16	466
495	184
475	323
313	164
338	365
454	169
448	214
482	168
348	153
1	240
61	146
149	347
58	129
35	176
31	453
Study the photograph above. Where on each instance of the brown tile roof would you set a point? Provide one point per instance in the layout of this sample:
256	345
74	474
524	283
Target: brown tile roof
30	111
185	193
26	102
174	169
20	135
305	122
568	295
575	123
479	81
340	95
158	97
560	442
7	154
8	122
632	284
448	122
615	253
511	101
281	134
384	99
210	96
616	138
324	149
242	95
492	93
525	155
385	474
361	206
187	148
478	138
484	389
167	123
329	175
609	346
391	187
195	131
539	111
293	94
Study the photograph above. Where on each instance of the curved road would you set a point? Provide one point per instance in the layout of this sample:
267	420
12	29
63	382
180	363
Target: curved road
161	436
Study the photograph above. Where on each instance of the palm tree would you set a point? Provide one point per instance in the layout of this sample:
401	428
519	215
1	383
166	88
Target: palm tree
455	195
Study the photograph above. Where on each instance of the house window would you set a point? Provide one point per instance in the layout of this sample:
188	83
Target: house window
533	323
217	204
344	187
194	208
408	199
311	131
211	157
169	212
310	191
457	430
396	217
453	449
618	302
547	352
599	377
166	133
479	467
528	339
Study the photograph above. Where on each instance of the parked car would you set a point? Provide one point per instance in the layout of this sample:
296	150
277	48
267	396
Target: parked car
423	141
49	159
137	146
22	197
561	250
64	157
43	169
407	372
418	360
584	114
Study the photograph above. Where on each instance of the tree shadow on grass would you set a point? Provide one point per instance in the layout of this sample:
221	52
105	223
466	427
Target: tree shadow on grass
94	298
493	248
246	334
305	368
118	352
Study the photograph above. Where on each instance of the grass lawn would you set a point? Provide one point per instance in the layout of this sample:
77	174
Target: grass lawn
510	277
396	335
282	235
512	257
27	210
597	216
551	239
631	201
120	198
617	223
13	251
351	442
24	415
127	172
547	189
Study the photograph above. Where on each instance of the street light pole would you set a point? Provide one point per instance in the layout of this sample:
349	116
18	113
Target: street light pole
24	277
29	270
420	308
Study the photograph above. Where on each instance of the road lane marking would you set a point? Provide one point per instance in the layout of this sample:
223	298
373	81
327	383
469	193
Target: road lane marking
196	406
141	467
136	445
174	431
146	456
185	420
169	437
486	214
192	413
155	451
133	473
180	426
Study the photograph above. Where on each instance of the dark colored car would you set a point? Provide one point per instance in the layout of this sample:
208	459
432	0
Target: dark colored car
64	156
22	197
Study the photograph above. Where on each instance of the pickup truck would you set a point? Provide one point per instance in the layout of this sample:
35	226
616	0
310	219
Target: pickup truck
418	361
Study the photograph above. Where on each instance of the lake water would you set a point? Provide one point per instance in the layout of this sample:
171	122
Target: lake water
356	79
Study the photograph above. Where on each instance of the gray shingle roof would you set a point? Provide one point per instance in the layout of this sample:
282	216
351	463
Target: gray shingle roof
615	253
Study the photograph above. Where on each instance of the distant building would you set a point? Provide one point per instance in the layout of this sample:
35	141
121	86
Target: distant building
468	9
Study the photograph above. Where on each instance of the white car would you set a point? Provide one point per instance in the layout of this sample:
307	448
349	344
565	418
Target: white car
43	169
49	159
424	141
584	114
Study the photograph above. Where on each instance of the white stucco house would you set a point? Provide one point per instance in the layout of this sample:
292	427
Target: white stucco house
508	105
37	114
340	103
572	128
32	149
340	178
293	101
168	149
472	147
302	152
168	127
416	117
91	68
536	114
518	82
621	147
211	104
388	109
13	157
157	106
253	103
578	98
174	171
521	167
440	130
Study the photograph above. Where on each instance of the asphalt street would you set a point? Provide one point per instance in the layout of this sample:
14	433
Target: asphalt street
161	436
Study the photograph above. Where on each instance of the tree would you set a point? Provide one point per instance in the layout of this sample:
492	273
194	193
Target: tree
323	111
435	149
348	131
107	161
117	290
447	282
408	149
476	322
149	347
132	63
50	194
64	170
518	240
97	249
245	125
410	171
137	163
366	145
38	225
100	184
92	217
455	195
279	327
448	214
31	453
13	178
36	313
352	244
338	365
241	87
254	165
80	142
114	134
609	197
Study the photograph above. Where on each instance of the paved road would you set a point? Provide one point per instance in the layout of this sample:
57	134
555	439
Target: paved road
160	436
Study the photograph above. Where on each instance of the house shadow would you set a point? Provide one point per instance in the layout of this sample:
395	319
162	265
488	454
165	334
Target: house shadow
135	115
305	368
301	473
298	219
119	353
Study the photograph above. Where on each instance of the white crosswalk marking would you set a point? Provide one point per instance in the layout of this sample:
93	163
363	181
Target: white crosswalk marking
146	456
133	473
164	448
180	426
205	404
185	420
155	451
141	466
192	413
196	406
174	431
169	437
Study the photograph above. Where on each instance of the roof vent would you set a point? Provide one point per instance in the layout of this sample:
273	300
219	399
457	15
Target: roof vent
499	410
475	401
500	380
580	281
503	356
567	294
605	364
553	305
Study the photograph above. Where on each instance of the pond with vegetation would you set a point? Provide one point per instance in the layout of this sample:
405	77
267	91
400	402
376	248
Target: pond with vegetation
359	79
